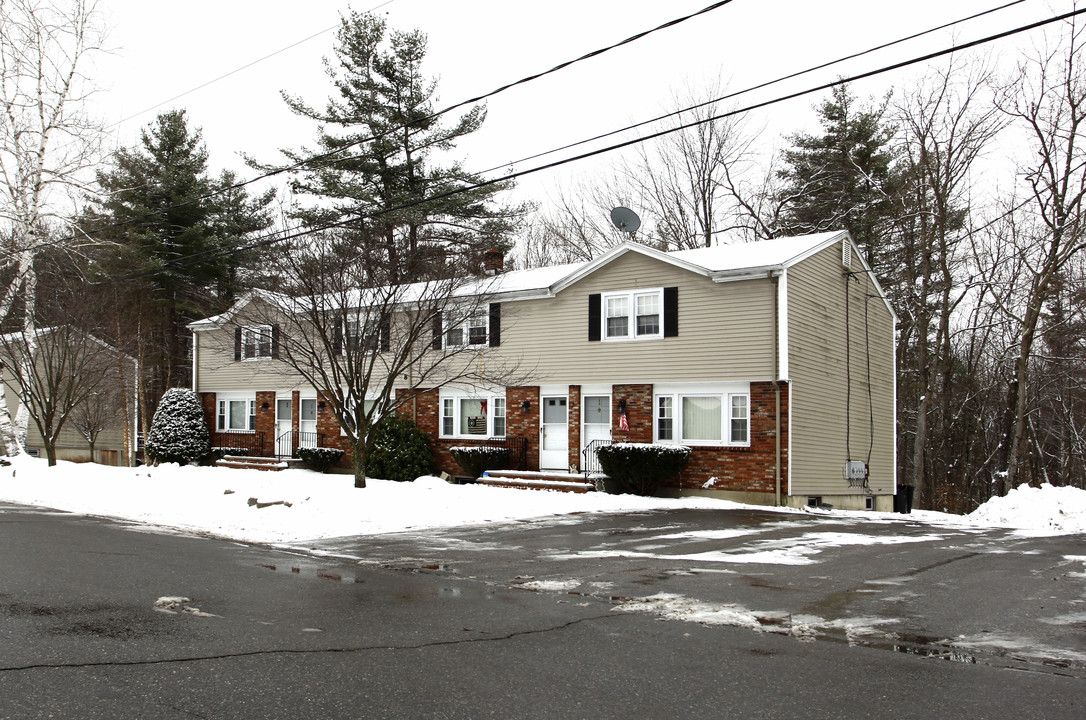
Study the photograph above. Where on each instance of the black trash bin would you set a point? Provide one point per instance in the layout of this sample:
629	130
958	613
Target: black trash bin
903	500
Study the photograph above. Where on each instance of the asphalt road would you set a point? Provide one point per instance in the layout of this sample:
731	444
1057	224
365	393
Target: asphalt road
641	615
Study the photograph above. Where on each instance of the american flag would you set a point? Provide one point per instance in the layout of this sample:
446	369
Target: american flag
622	423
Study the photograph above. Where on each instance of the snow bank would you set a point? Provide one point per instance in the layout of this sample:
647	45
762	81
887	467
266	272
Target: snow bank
1047	510
298	505
292	505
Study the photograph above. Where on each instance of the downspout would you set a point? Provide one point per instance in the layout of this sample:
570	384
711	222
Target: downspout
775	276
195	362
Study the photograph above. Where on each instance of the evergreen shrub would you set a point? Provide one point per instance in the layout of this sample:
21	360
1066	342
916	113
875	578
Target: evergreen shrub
319	459
474	460
641	468
178	431
400	451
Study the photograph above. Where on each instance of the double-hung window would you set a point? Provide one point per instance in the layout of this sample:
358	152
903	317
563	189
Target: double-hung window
473	416
359	337
467	331
256	342
633	315
703	416
237	414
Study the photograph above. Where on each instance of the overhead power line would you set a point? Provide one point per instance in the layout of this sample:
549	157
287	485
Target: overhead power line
759	86
300	231
239	69
321	157
527	79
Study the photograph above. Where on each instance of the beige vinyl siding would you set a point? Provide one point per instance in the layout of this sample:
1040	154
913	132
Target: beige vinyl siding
823	435
725	330
217	371
70	443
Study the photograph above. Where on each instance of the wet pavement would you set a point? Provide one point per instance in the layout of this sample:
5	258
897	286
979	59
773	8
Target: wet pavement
669	614
964	595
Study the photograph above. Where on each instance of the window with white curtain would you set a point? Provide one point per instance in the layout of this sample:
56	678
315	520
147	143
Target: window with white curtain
703	416
237	414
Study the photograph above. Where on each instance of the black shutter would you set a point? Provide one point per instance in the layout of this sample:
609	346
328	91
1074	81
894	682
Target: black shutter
386	335
237	343
436	345
595	316
337	335
495	324
275	342
671	312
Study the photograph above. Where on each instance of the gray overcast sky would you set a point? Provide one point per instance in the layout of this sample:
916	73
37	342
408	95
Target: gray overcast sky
165	49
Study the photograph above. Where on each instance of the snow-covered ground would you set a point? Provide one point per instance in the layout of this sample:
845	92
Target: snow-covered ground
296	505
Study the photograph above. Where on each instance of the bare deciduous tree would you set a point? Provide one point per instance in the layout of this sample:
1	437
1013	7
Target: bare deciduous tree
1046	97
943	127
47	144
369	348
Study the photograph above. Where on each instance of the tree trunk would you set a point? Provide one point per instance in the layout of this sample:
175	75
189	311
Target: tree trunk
358	462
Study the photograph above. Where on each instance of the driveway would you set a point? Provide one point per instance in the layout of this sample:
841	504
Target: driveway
649	615
962	595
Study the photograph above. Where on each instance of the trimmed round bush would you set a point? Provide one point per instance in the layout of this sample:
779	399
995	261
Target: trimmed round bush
400	451
474	460
641	468
318	458
178	431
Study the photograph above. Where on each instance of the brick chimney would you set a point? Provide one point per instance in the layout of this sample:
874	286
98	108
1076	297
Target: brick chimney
493	262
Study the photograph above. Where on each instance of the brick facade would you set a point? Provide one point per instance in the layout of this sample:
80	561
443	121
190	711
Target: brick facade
638	399
519	423
574	407
743	469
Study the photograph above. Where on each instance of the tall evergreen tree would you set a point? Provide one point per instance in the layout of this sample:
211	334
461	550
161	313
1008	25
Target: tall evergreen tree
179	231
383	142
843	177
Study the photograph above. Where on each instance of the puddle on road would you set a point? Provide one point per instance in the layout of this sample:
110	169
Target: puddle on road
321	573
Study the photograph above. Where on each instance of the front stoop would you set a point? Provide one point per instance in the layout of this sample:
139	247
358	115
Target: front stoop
252	463
530	480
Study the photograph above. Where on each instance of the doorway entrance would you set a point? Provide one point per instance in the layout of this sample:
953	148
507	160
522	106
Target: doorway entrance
554	433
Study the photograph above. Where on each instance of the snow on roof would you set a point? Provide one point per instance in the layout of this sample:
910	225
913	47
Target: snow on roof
545	281
764	253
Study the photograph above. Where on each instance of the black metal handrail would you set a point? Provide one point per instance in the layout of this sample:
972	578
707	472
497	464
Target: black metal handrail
298	439
591	463
252	443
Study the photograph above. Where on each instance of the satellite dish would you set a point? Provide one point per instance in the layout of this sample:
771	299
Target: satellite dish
625	219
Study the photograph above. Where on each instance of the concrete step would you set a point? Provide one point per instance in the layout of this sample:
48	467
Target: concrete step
541	480
252	463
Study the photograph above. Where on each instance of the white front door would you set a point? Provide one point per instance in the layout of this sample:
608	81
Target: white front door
554	434
307	423
283	434
595	425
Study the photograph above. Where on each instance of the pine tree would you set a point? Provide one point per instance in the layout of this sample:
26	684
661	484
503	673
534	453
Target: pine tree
379	128
178	432
842	178
178	230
